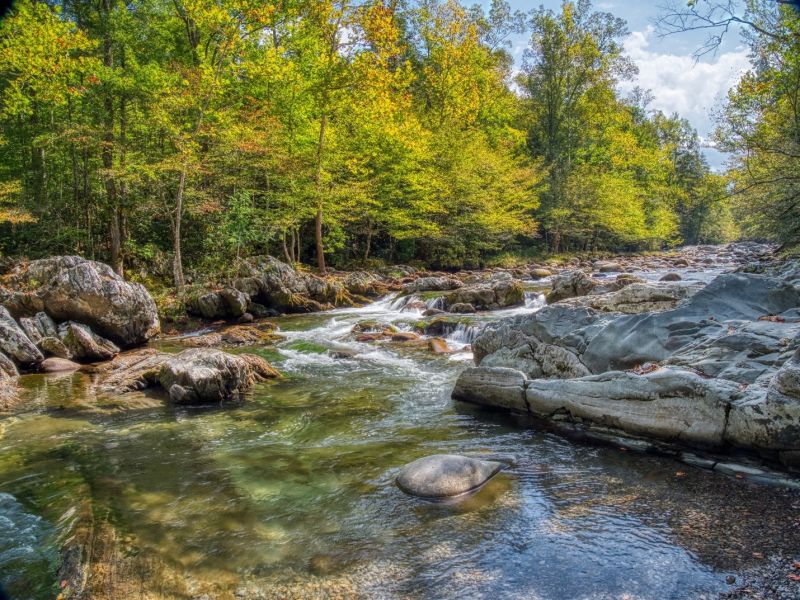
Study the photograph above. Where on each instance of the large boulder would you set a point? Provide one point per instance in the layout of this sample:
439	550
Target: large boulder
84	344
432	284
43	332
201	375
277	285
498	291
366	284
218	304
638	297
8	380
569	285
71	288
15	344
721	368
442	476
667	404
195	376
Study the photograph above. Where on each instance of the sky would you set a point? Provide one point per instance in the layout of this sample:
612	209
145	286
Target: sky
667	66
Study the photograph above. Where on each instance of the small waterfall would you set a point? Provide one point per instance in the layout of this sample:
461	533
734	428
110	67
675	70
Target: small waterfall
400	302
465	333
436	303
535	300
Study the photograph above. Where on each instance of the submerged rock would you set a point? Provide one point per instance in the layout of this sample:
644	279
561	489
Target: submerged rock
194	376
445	475
200	376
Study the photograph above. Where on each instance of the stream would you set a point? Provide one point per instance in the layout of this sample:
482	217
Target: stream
291	493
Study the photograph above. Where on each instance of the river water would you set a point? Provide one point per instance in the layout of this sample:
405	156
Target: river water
291	494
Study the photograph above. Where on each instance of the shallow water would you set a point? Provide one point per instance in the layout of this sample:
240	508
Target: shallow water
291	494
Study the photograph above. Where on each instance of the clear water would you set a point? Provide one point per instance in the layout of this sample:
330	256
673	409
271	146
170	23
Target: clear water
291	494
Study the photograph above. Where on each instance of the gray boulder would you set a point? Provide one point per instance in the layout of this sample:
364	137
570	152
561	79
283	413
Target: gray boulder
218	304
203	375
569	285
443	476
667	404
7	367
15	344
71	288
277	285
83	343
432	284
720	368
43	332
498	291
636	298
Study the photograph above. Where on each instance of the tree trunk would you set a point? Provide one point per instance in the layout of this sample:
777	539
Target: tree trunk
285	249
369	242
323	123
107	153
318	239
177	261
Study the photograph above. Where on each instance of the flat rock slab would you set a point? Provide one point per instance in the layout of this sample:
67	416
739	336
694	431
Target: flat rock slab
442	476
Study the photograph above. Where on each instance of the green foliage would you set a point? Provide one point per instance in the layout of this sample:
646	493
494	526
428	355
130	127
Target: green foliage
154	133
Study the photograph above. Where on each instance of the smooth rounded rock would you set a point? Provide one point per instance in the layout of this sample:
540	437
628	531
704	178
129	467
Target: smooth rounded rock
442	476
58	365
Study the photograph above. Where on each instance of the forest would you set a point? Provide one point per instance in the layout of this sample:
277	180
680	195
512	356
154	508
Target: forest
170	138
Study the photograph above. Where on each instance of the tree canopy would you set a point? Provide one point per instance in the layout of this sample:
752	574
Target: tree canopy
174	136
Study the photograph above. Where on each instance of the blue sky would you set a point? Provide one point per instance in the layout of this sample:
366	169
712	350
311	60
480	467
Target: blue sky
666	65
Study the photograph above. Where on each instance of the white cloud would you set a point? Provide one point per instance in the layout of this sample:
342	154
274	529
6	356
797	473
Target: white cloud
679	84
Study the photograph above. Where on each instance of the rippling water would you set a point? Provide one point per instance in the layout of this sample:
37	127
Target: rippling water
291	493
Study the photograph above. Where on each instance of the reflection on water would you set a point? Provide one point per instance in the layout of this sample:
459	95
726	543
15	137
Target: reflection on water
291	494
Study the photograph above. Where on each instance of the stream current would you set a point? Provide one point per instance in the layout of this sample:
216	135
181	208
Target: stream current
290	493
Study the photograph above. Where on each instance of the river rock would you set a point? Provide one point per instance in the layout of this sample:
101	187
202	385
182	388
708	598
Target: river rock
364	284
15	344
432	284
608	267
667	404
8	380
461	308
83	343
540	273
58	365
445	475
438	346
71	288
200	375
500	387
671	277
569	285
634	298
277	285
43	332
218	304
720	368
234	335
498	291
